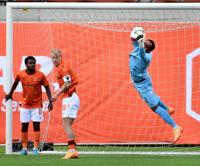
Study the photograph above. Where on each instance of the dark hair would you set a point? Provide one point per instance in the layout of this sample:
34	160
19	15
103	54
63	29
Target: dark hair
28	58
152	45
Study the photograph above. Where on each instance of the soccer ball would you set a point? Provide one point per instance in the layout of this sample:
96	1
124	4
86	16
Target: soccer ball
137	33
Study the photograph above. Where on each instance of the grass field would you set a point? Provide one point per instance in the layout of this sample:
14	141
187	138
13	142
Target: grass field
99	160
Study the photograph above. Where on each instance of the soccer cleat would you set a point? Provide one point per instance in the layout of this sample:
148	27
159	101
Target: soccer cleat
171	111
35	152
177	133
23	152
71	155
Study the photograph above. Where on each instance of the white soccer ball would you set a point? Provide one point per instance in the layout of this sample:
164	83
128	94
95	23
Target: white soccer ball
137	33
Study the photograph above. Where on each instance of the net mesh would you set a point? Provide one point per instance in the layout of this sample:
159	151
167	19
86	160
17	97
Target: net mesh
96	44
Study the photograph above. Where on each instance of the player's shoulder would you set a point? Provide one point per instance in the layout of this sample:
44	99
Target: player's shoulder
21	72
64	67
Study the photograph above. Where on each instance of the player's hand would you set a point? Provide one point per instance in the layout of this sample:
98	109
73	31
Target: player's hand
137	33
8	96
50	106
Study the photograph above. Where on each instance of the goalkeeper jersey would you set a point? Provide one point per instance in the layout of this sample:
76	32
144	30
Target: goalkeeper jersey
139	61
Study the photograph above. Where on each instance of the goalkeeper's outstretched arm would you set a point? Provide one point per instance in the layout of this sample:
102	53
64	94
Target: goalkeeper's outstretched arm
144	46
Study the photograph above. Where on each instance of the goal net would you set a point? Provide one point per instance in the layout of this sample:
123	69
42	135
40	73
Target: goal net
95	42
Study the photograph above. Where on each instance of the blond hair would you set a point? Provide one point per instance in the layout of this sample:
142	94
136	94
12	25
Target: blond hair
56	51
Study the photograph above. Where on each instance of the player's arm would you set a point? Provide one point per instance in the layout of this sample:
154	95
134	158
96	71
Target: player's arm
146	58
45	83
48	91
138	38
65	87
9	95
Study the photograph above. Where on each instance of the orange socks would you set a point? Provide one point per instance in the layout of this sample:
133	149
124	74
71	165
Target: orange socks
24	137
72	144
36	139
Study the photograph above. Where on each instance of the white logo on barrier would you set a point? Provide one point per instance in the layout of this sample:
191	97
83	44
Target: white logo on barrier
16	106
189	59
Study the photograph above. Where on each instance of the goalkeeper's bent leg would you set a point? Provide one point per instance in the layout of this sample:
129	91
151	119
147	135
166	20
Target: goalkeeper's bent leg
160	103
165	116
177	130
169	109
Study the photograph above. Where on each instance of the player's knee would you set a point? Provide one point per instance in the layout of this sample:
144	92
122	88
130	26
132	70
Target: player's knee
24	128
36	126
154	108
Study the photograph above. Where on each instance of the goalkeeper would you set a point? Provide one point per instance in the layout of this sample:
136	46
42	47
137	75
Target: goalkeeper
139	61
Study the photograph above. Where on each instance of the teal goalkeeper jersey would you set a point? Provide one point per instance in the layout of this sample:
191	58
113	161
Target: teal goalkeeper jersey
139	61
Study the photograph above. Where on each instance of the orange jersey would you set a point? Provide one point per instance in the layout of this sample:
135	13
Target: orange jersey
32	88
60	72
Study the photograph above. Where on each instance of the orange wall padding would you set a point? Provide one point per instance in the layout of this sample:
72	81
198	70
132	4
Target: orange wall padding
111	110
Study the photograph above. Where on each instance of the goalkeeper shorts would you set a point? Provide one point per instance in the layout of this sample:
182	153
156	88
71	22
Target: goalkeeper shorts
31	114
70	106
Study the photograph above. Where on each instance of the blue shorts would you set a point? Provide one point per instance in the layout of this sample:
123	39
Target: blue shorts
150	98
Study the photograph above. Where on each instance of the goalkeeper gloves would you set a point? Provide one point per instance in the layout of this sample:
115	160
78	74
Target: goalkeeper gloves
138	34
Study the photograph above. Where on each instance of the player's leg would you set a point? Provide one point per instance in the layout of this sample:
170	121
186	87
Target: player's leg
36	129
164	115
153	102
71	152
36	117
160	102
70	107
24	138
169	109
25	117
67	125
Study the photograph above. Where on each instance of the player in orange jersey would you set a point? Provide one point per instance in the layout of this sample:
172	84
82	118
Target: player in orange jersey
31	108
67	81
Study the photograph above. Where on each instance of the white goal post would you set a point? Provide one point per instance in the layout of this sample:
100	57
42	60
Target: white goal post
9	36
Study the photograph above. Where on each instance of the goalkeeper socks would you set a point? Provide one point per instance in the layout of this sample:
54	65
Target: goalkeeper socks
165	116
36	139
71	144
24	137
160	103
